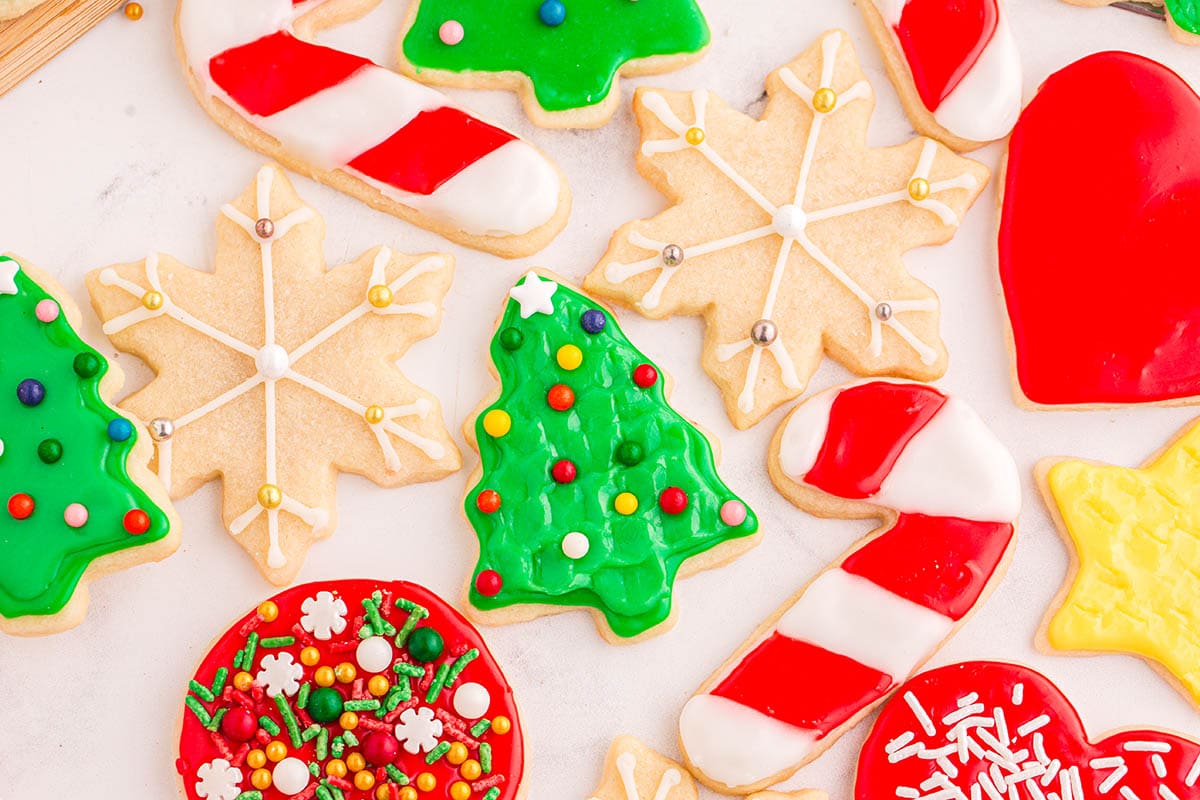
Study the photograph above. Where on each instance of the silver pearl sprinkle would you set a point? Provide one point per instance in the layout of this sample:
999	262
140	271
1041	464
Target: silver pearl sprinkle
763	332
883	312
264	228
161	429
672	255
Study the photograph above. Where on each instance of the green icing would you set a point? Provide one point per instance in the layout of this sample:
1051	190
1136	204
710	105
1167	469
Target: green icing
1186	14
630	568
570	66
42	558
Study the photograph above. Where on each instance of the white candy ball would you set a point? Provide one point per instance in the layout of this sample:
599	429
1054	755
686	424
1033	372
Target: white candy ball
374	654
471	701
291	776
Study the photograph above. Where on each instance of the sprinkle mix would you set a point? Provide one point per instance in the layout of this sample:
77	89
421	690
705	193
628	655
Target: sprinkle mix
347	690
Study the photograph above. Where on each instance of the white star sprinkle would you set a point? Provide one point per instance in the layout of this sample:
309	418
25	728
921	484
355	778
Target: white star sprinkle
8	275
534	295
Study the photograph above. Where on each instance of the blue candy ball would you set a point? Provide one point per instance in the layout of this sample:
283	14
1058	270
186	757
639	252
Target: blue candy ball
552	13
31	392
119	430
593	320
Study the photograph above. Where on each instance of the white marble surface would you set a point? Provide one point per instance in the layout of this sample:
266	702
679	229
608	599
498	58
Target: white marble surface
105	155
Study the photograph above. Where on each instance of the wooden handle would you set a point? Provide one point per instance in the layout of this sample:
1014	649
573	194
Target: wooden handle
29	41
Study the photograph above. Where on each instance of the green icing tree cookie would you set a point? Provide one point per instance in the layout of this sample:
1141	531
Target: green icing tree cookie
1185	14
564	56
78	499
592	491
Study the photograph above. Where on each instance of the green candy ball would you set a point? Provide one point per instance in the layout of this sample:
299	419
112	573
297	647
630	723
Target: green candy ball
50	450
325	704
425	645
511	339
87	365
630	453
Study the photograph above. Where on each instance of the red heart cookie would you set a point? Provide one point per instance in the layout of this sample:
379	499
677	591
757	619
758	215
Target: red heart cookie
990	731
1097	238
942	41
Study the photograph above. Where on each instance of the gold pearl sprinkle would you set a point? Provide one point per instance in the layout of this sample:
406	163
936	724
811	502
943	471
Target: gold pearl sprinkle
825	100
373	415
379	296
919	189
694	136
152	300
269	496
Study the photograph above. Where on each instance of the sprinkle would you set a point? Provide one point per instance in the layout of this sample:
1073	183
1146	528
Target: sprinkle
237	659
324	793
408	670
251	646
968	699
437	752
954	717
907	792
311	732
201	691
314	769
379	626
350	739
1113	779
485	757
919	713
393	699
219	678
1166	794
1128	793
216	719
439	682
396	775
1193	774
1034	724
460	665
898	742
1018	695
302	697
268	725
222	746
278	641
1001	724
337	747
481	727
360	705
251	795
1147	747
492	793
198	710
289	719
415	615
322	744
1160	766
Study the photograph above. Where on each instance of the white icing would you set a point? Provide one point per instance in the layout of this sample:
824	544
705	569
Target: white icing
290	776
534	295
626	766
851	616
280	674
374	654
954	467
509	192
472	700
804	434
418	730
324	615
8	275
736	745
218	780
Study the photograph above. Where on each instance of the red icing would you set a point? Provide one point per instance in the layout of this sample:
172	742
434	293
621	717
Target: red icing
941	563
942	40
1098	233
846	685
1063	738
199	746
869	426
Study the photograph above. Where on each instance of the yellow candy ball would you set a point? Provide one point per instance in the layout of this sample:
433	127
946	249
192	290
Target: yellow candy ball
408	793
374	415
309	656
269	496
261	779
919	189
256	758
355	762
825	100
460	790
694	136
134	11
626	503
243	681
378	686
471	769
382	792
269	611
348	720
345	672
277	751
501	725
363	781
457	753
324	676
497	422
569	357
153	301
379	296
426	782
336	768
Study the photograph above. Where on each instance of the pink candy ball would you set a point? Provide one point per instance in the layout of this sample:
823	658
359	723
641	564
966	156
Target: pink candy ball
46	311
451	32
733	513
76	515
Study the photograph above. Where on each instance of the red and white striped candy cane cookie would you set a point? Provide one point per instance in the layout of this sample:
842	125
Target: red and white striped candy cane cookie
949	494
393	143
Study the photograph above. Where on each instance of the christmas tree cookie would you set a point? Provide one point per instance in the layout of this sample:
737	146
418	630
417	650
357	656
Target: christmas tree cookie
79	500
593	492
1183	16
565	57
351	690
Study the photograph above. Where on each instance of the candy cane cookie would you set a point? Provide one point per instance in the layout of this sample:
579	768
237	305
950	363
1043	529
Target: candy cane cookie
398	146
948	494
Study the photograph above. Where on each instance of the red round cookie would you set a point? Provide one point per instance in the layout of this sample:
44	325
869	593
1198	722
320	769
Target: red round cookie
351	690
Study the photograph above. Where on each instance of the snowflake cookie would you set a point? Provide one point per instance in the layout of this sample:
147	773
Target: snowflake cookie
275	372
786	233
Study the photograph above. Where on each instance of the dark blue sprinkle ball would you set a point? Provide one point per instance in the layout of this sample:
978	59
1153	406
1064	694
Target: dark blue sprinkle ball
31	392
593	320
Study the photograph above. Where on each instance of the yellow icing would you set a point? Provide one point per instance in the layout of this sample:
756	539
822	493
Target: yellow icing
1137	533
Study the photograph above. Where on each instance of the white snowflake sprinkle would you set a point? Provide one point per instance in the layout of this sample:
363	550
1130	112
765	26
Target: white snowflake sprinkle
218	780
418	730
279	674
324	615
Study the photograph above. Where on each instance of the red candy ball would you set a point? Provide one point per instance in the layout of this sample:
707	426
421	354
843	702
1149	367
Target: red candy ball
20	506
563	471
560	397
673	500
645	376
239	724
488	501
489	583
380	748
137	522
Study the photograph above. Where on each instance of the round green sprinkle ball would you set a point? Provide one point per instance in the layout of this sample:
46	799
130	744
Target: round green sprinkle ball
425	645
50	450
324	704
630	453
87	365
511	339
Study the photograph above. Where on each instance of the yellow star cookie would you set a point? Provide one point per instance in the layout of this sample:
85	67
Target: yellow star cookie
633	771
1134	584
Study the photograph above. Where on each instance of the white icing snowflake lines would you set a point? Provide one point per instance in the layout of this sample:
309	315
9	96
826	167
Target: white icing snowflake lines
274	364
792	223
627	763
